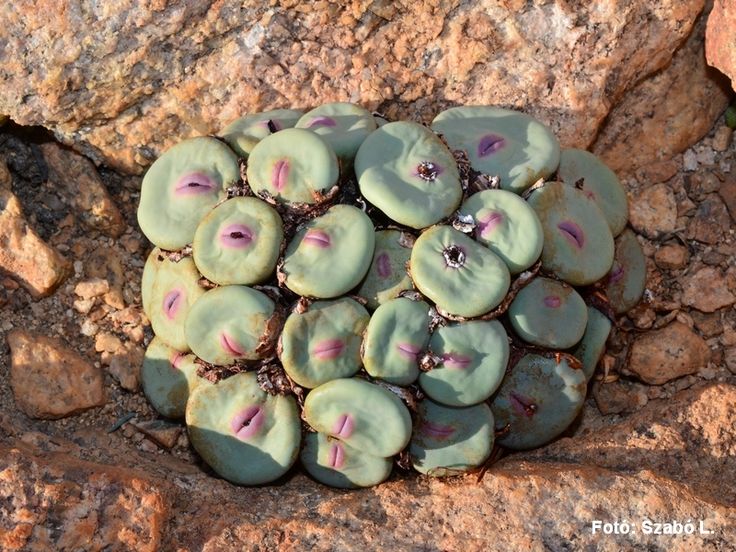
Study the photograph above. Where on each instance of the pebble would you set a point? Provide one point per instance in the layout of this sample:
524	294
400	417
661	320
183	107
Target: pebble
653	211
164	433
690	160
619	397
669	353
94	287
83	306
660	171
706	290
710	221
89	328
24	255
48	379
729	358
722	138
672	257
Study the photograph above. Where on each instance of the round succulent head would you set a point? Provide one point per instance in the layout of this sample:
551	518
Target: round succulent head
628	276
448	441
331	254
406	171
175	289
323	343
150	270
584	170
537	401
473	357
246	435
168	377
244	133
387	276
578	245
591	347
295	166
501	142
461	276
506	225
343	125
181	187
397	335
362	415
231	323
549	313
238	242
334	463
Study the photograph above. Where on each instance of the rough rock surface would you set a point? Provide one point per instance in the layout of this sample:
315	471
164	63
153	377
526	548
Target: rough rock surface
672	352
48	379
664	114
154	80
545	500
707	290
77	180
720	38
653	212
24	255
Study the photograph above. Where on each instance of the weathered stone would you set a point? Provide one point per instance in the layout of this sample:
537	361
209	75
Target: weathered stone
57	502
125	366
671	257
665	114
729	358
653	211
701	183
24	255
707	290
619	397
720	38
48	379
153	80
722	138
164	433
662	355
659	171
92	288
710	222
727	191
77	180
5	177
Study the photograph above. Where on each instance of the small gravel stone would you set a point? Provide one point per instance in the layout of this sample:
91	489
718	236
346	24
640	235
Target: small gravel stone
89	328
690	160
707	290
672	257
653	211
722	138
94	287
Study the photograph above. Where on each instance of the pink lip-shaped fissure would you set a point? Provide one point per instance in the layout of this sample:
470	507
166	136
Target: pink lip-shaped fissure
176	360
489	144
231	346
172	303
456	360
437	431
489	223
194	184
552	301
383	264
328	349
236	236
322	121
336	456
247	422
344	426
522	405
317	238
572	232
407	350
280	174
616	274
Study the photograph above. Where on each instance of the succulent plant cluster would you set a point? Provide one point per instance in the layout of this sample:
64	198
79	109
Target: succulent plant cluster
360	293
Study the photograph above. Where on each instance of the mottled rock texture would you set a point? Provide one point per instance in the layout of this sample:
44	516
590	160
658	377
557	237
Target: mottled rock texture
122	81
544	500
720	38
49	380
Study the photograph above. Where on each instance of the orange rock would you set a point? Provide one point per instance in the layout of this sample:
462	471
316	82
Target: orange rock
24	255
720	46
663	355
50	380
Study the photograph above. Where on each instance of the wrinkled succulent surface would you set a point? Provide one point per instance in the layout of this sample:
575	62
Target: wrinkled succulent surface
361	293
